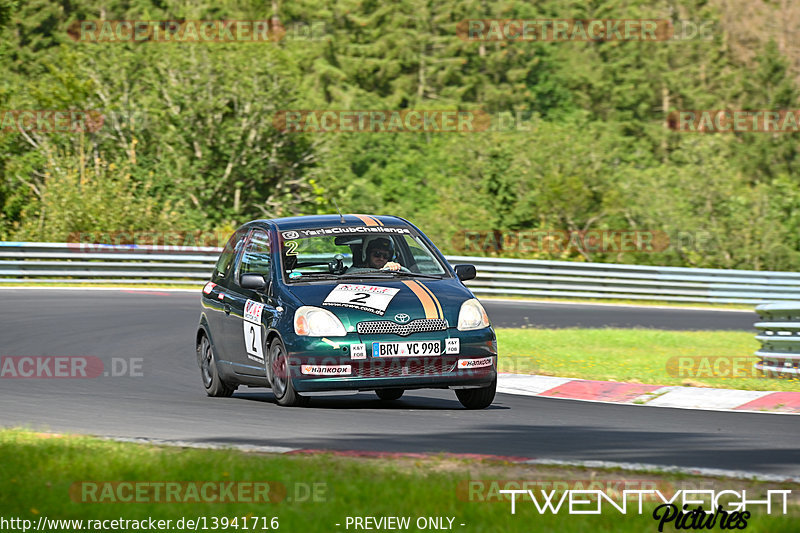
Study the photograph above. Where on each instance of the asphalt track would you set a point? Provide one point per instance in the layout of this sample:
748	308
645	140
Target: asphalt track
167	400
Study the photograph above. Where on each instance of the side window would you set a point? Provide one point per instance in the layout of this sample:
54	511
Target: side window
256	256
423	260
228	254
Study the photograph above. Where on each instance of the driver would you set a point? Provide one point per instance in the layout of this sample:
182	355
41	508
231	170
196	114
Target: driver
378	254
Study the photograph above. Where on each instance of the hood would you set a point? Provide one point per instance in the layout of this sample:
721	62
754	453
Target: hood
355	301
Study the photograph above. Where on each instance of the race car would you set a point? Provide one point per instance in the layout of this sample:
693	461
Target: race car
337	304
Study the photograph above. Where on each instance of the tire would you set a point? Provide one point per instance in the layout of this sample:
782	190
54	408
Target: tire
389	394
477	398
281	378
208	371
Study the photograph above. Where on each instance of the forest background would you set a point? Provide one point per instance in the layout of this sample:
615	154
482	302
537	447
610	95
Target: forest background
580	138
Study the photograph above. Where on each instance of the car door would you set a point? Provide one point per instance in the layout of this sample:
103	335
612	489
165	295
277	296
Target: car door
252	312
214	302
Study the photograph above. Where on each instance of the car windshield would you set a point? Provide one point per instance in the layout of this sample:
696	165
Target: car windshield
333	253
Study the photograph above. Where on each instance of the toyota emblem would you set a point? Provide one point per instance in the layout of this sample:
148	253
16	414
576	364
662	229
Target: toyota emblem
402	318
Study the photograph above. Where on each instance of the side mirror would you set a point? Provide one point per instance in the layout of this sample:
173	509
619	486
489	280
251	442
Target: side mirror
254	282
465	272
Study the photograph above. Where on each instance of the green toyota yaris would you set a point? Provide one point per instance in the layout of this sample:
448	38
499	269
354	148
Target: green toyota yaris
337	304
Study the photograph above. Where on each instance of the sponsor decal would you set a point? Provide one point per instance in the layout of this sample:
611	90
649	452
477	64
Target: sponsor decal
475	363
252	311
452	346
343	230
251	326
358	351
221	296
330	370
209	287
368	298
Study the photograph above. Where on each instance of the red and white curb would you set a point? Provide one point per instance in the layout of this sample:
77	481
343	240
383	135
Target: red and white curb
650	395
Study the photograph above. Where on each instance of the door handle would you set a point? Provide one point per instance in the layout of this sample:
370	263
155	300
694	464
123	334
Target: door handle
226	308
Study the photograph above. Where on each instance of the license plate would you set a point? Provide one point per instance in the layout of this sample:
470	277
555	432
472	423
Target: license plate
406	349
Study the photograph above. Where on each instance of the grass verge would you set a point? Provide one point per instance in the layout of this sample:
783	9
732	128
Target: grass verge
720	359
46	476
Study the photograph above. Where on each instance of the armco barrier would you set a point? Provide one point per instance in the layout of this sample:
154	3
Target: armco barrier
29	262
630	282
48	262
779	335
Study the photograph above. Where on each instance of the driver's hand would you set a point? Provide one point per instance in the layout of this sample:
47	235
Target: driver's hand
391	265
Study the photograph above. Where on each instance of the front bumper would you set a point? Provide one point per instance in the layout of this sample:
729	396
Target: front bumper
414	372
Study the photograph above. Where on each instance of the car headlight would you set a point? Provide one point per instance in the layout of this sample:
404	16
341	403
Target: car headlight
317	322
472	316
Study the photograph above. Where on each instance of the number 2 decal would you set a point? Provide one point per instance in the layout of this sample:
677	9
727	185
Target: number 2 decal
361	298
291	247
252	340
253	333
370	298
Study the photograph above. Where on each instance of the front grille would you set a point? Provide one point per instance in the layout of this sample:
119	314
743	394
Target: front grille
383	327
399	367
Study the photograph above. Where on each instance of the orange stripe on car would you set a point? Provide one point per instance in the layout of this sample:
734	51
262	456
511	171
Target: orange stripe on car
368	220
428	304
433	297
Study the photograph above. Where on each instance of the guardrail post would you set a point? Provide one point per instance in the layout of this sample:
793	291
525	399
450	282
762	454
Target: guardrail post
779	335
